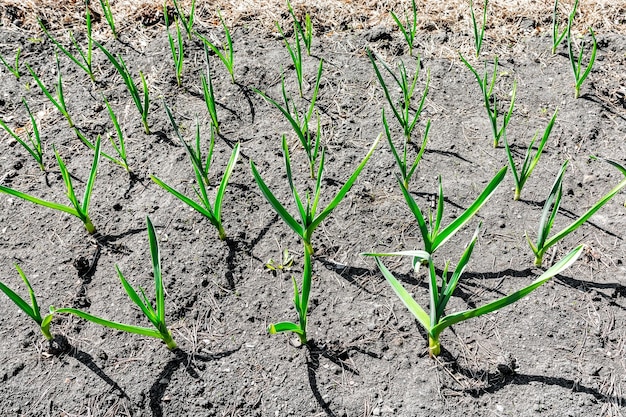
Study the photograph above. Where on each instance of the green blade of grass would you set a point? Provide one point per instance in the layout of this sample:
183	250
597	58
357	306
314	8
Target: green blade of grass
92	178
38	201
301	210
108	15
550	208
145	307
417	213
85	65
15	68
58	102
450	286
31	310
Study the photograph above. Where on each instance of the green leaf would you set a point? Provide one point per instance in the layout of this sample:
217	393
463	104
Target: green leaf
344	189
576	224
303	212
557	268
404	295
143	331
92	178
31	293
285	326
550	208
156	268
449	287
19	301
44	203
227	173
428	244
146	309
205	211
276	205
462	220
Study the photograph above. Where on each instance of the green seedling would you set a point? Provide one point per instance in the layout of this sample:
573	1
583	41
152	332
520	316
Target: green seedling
108	15
479	35
309	220
406	171
431	231
177	52
557	35
300	124
32	309
407	87
33	142
155	314
15	68
550	209
579	77
186	21
410	28
489	98
209	94
306	32
440	292
285	263
142	105
59	101
120	146
226	54
84	57
213	212
529	164
295	52
301	302
78	209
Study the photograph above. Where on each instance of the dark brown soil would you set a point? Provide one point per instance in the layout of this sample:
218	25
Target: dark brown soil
559	352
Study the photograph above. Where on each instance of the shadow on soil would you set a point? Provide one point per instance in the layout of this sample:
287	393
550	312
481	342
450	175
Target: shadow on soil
60	345
338	356
158	388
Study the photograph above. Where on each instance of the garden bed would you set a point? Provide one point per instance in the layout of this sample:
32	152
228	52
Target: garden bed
558	352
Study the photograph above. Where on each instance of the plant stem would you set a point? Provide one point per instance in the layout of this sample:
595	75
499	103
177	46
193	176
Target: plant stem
167	338
221	232
434	347
306	290
89	226
45	328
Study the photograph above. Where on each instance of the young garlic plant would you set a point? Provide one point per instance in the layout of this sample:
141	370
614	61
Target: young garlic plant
310	219
156	313
77	209
551	208
32	309
441	290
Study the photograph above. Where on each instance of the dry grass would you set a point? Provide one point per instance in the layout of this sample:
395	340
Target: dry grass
507	19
